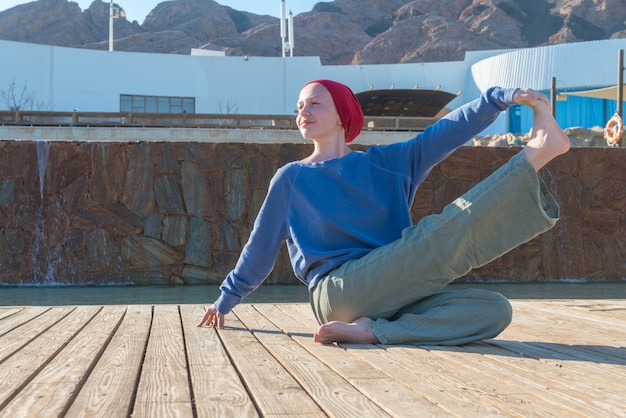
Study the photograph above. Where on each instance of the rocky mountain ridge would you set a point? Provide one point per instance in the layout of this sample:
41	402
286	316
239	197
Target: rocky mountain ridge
339	32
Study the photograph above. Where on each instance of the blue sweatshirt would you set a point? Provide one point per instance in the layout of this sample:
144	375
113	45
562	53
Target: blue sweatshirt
341	209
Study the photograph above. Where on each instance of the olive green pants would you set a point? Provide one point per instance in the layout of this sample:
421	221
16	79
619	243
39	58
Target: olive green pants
399	285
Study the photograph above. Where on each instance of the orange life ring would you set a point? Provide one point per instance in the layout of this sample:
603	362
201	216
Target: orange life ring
613	130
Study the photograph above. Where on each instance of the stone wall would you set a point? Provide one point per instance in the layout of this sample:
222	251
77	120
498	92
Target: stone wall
161	212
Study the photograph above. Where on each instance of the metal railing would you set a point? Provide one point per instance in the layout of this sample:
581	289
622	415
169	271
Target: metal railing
190	120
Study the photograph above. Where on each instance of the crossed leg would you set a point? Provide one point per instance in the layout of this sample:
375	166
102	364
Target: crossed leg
547	141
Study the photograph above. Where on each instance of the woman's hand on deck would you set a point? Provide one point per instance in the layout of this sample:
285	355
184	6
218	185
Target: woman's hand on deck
212	317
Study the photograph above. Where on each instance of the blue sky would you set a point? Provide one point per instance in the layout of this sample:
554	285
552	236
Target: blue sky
139	9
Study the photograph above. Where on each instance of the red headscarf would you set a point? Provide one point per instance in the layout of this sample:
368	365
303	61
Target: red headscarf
347	105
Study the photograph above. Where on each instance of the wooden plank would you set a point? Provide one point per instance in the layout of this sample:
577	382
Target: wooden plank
21	317
18	337
302	313
6	312
562	334
560	376
217	389
557	346
606	381
109	390
274	391
389	394
330	391
487	387
597	309
164	386
22	367
52	389
601	355
438	388
558	399
608	315
561	318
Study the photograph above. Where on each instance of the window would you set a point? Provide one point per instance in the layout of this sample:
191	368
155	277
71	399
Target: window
156	104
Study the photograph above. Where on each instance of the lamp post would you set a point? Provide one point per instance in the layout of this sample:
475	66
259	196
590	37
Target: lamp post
114	13
286	32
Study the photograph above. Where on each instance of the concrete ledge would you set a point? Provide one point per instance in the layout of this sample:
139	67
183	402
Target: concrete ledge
130	134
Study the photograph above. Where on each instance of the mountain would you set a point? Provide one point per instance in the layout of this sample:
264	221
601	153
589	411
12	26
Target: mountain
339	32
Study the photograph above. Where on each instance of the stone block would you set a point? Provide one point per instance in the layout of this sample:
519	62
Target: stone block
102	254
196	275
196	190
152	226
175	230
462	166
236	194
262	168
224	262
58	224
225	237
199	245
235	156
7	192
169	199
166	161
145	275
145	251
138	190
67	164
109	167
114	217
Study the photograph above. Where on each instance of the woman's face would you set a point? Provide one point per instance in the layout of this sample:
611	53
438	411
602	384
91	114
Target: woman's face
317	115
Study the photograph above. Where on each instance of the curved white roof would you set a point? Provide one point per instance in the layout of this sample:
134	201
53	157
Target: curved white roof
575	65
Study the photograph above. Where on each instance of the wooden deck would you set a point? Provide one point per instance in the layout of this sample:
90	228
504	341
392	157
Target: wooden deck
561	358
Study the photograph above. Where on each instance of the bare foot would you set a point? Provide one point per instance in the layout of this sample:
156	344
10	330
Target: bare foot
357	332
547	139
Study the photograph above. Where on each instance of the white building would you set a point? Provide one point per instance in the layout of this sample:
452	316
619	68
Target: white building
64	79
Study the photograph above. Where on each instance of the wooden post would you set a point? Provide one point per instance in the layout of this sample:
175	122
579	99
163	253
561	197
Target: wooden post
620	82
553	96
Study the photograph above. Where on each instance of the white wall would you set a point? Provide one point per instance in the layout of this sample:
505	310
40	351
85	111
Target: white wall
63	79
92	80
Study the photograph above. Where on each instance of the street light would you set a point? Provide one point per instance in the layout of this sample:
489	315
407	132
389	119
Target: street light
114	13
286	32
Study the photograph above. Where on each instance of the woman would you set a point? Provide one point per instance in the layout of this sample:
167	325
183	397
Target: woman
374	277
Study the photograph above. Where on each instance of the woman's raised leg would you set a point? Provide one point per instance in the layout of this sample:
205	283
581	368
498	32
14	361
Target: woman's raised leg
508	208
